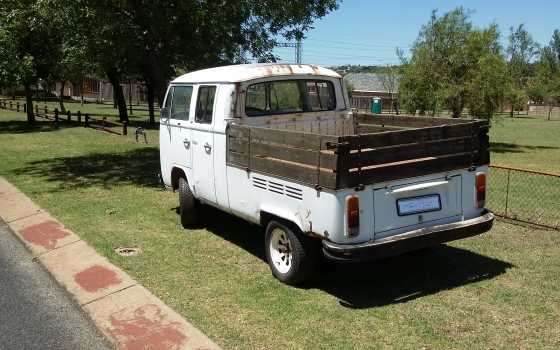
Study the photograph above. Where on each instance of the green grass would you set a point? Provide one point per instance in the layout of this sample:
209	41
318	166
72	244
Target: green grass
496	291
526	142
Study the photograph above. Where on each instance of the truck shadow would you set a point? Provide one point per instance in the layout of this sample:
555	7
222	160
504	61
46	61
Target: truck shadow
406	277
371	284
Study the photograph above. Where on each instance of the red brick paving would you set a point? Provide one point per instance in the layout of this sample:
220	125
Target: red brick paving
128	314
95	278
45	234
145	329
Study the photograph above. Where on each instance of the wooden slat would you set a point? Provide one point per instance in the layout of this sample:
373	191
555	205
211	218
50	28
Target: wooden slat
238	145
237	159
390	138
238	130
408	169
409	121
409	151
307	157
372	128
294	171
291	138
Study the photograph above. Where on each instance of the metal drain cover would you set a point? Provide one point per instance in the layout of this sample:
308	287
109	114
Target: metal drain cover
127	251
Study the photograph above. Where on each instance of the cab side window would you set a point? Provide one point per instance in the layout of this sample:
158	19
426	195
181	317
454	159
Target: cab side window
181	102
205	104
168	100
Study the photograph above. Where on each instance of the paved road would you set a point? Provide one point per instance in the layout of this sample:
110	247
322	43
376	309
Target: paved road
36	313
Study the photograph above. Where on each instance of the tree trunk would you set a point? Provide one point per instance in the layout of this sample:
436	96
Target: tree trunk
61	97
121	102
151	97
29	104
82	91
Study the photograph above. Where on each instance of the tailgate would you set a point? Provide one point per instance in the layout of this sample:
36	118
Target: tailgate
416	204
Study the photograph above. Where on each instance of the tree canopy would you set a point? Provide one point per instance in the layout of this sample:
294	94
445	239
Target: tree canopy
146	39
454	65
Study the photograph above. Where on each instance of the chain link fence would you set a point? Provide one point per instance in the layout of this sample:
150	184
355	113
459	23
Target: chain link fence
524	195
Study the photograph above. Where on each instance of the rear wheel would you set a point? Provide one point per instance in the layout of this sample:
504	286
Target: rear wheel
188	205
292	257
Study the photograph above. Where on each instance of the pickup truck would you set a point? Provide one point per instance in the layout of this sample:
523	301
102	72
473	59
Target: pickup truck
279	146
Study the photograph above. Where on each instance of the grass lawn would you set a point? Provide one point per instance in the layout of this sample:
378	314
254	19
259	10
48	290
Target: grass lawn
496	291
526	142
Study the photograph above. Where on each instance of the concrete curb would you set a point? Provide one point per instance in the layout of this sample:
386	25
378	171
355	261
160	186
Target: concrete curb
123	310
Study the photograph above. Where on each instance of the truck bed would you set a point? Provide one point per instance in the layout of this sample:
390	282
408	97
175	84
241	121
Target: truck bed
372	149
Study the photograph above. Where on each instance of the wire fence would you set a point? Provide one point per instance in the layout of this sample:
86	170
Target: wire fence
524	195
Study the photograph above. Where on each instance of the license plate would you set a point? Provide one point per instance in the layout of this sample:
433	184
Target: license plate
415	205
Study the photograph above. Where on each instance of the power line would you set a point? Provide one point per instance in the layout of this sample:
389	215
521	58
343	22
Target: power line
296	45
358	44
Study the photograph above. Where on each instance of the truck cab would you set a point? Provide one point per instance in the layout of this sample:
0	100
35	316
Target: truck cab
279	146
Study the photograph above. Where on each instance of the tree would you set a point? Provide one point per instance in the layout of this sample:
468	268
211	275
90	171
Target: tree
521	52
451	67
544	85
29	46
191	36
390	81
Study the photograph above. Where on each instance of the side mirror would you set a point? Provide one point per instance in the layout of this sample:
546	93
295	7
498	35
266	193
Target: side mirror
164	113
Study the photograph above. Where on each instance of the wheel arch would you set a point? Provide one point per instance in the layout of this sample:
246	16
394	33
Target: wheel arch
266	216
176	174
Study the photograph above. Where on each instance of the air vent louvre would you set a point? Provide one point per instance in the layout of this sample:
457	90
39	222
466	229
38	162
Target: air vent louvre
278	188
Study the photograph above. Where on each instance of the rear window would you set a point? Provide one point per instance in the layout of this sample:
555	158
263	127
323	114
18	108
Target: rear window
289	96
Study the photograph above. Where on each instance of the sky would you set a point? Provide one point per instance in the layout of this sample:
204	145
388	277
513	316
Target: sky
367	32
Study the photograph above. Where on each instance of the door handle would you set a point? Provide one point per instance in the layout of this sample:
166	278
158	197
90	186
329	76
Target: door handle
186	143
207	147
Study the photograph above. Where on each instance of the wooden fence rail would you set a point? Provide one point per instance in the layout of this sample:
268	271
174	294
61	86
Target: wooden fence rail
54	116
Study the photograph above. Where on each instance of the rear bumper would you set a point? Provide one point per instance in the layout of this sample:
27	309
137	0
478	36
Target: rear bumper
409	241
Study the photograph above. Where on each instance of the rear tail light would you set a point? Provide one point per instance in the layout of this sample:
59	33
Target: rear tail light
353	216
480	189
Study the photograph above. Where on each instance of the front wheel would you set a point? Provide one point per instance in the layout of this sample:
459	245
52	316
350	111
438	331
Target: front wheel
188	206
292	257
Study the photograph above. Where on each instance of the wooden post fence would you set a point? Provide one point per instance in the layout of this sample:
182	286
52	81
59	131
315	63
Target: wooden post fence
86	120
37	109
55	117
68	116
17	106
79	115
124	128
24	107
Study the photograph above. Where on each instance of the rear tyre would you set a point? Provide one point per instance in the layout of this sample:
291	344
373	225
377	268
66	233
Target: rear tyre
188	205
292	257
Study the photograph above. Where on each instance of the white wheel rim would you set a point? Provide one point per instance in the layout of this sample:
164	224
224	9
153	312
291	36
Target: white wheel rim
280	250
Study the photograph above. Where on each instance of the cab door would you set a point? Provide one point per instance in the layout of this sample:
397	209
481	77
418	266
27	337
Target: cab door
202	137
180	116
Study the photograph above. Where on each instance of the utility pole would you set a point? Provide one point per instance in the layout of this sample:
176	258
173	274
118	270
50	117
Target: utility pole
298	49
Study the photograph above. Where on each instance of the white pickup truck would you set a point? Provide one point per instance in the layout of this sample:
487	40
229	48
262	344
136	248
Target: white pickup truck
278	145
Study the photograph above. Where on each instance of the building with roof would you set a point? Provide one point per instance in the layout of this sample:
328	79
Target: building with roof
366	86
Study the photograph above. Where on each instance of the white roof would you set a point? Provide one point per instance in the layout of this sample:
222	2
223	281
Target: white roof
244	72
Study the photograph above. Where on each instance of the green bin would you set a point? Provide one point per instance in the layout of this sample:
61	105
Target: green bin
376	105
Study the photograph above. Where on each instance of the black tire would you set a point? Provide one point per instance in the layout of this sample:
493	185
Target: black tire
303	252
188	205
